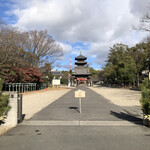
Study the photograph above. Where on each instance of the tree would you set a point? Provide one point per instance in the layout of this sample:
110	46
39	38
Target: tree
65	76
22	53
40	48
144	23
13	74
120	67
138	53
47	74
11	51
95	73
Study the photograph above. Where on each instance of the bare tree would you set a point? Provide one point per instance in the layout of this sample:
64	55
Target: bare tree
145	23
40	47
31	48
10	50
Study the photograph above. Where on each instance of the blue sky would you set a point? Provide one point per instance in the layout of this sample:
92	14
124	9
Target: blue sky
90	26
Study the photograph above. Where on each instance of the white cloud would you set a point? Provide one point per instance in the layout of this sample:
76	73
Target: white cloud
66	47
139	7
97	22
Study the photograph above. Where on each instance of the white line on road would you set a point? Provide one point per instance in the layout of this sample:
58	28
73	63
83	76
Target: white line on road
80	123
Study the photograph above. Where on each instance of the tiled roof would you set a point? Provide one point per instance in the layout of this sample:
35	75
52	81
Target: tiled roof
80	57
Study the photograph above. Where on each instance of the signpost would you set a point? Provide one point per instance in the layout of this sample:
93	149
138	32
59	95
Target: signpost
80	94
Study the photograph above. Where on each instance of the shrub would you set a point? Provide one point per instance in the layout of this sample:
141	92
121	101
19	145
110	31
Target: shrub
4	99
145	99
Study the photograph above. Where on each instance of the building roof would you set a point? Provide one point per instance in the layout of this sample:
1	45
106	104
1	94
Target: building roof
80	57
80	63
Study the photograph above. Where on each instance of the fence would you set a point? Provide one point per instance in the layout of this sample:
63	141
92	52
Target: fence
23	87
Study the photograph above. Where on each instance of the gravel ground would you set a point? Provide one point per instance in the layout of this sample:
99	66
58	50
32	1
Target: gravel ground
119	96
34	102
127	99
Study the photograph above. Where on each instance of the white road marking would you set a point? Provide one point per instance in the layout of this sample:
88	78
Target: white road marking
80	123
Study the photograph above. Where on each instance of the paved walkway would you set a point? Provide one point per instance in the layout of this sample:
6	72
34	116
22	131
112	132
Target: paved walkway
101	125
94	108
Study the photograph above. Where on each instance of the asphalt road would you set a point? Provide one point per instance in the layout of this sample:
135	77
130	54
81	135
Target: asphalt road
101	126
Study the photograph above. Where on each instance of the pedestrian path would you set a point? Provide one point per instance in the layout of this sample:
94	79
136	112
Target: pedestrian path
96	110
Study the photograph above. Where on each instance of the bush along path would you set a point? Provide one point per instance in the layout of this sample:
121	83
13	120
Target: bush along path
4	107
145	102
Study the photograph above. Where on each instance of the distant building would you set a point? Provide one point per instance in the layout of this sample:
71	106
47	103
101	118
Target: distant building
81	73
56	73
57	78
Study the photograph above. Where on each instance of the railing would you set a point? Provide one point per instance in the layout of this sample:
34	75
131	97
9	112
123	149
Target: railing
23	87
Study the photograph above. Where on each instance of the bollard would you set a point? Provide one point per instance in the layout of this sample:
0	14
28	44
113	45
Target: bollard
19	112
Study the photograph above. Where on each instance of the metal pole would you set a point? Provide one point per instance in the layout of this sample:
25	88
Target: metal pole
80	104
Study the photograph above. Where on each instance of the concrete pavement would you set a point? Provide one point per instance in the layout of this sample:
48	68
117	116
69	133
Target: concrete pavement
101	126
94	107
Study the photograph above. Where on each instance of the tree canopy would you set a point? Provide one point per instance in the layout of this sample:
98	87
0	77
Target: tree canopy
22	53
124	65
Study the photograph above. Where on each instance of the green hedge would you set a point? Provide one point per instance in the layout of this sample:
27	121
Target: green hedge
4	100
145	99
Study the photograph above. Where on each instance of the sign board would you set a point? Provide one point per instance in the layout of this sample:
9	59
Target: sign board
56	82
79	94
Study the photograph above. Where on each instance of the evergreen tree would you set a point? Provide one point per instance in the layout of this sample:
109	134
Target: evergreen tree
120	67
138	53
145	99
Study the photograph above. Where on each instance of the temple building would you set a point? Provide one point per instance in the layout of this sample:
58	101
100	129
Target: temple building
81	73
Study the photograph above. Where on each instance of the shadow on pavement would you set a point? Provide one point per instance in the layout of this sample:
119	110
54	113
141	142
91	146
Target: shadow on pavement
127	117
75	108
